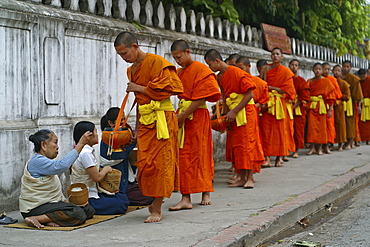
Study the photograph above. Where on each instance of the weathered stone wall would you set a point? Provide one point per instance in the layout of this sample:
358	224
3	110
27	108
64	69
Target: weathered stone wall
59	66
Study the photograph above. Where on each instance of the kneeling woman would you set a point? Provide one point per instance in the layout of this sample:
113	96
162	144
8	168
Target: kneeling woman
41	201
86	170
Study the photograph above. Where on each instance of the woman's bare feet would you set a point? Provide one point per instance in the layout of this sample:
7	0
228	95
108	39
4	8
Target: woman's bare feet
33	221
206	198
185	203
52	224
155	211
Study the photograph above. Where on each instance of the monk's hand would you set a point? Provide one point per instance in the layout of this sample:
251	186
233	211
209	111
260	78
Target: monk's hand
359	110
133	87
230	116
330	113
134	136
85	138
181	119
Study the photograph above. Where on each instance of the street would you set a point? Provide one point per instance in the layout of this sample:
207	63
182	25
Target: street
349	228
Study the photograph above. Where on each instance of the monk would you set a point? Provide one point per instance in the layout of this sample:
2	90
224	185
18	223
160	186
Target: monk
299	112
153	80
261	68
330	121
260	97
196	150
277	125
340	108
237	87
321	95
231	60
364	123
352	104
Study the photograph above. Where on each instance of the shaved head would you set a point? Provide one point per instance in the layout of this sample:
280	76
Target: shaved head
277	48
234	56
180	45
261	62
244	60
126	39
212	54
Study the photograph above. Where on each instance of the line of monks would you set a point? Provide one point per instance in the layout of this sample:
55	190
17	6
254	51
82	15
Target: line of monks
266	116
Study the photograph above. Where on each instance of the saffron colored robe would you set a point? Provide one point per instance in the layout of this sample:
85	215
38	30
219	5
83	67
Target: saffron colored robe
356	95
157	159
244	141
365	126
277	135
340	114
303	94
261	96
330	121
317	123
196	157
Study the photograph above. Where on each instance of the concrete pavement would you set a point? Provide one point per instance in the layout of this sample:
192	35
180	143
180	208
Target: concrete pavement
237	217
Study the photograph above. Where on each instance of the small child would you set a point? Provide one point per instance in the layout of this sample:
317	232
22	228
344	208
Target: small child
86	170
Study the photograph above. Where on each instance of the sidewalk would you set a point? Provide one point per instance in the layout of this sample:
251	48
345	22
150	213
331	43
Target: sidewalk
237	217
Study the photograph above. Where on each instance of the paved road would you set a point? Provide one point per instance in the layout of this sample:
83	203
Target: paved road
350	228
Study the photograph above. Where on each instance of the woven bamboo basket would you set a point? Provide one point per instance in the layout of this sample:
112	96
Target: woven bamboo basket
79	198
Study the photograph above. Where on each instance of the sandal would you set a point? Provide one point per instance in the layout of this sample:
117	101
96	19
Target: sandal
5	220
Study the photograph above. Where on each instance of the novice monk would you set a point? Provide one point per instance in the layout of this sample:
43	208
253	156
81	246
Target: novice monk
277	126
303	96
339	108
321	94
364	123
352	104
330	120
237	87
195	136
154	80
260	97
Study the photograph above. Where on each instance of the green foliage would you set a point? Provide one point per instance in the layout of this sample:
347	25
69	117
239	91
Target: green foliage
338	24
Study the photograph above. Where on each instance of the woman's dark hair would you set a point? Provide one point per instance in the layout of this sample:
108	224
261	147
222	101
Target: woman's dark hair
81	128
111	115
38	137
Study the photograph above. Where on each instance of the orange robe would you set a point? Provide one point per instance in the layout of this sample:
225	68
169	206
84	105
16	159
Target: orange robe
356	95
157	159
365	126
245	139
260	95
277	134
340	114
196	157
330	125
317	127
303	94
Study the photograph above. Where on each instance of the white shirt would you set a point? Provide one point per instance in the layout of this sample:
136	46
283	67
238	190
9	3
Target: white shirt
85	160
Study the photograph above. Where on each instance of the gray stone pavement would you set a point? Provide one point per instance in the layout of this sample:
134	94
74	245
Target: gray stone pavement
237	217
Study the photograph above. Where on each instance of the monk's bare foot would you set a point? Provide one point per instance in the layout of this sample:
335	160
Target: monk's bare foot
347	147
154	217
239	183
52	224
285	159
278	162
320	153
295	155
33	221
249	184
254	181
206	198
267	164
340	149
328	151
310	152
185	203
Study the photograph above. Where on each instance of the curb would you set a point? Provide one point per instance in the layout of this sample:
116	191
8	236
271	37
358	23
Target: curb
258	229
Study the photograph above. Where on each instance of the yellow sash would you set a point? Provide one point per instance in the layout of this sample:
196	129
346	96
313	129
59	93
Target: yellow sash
183	105
289	107
348	107
297	110
365	112
322	106
154	112
275	106
232	102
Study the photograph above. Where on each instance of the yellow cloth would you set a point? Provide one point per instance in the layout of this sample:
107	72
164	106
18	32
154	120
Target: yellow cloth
348	107
322	106
183	105
365	111
289	107
154	112
232	102
297	110
275	106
